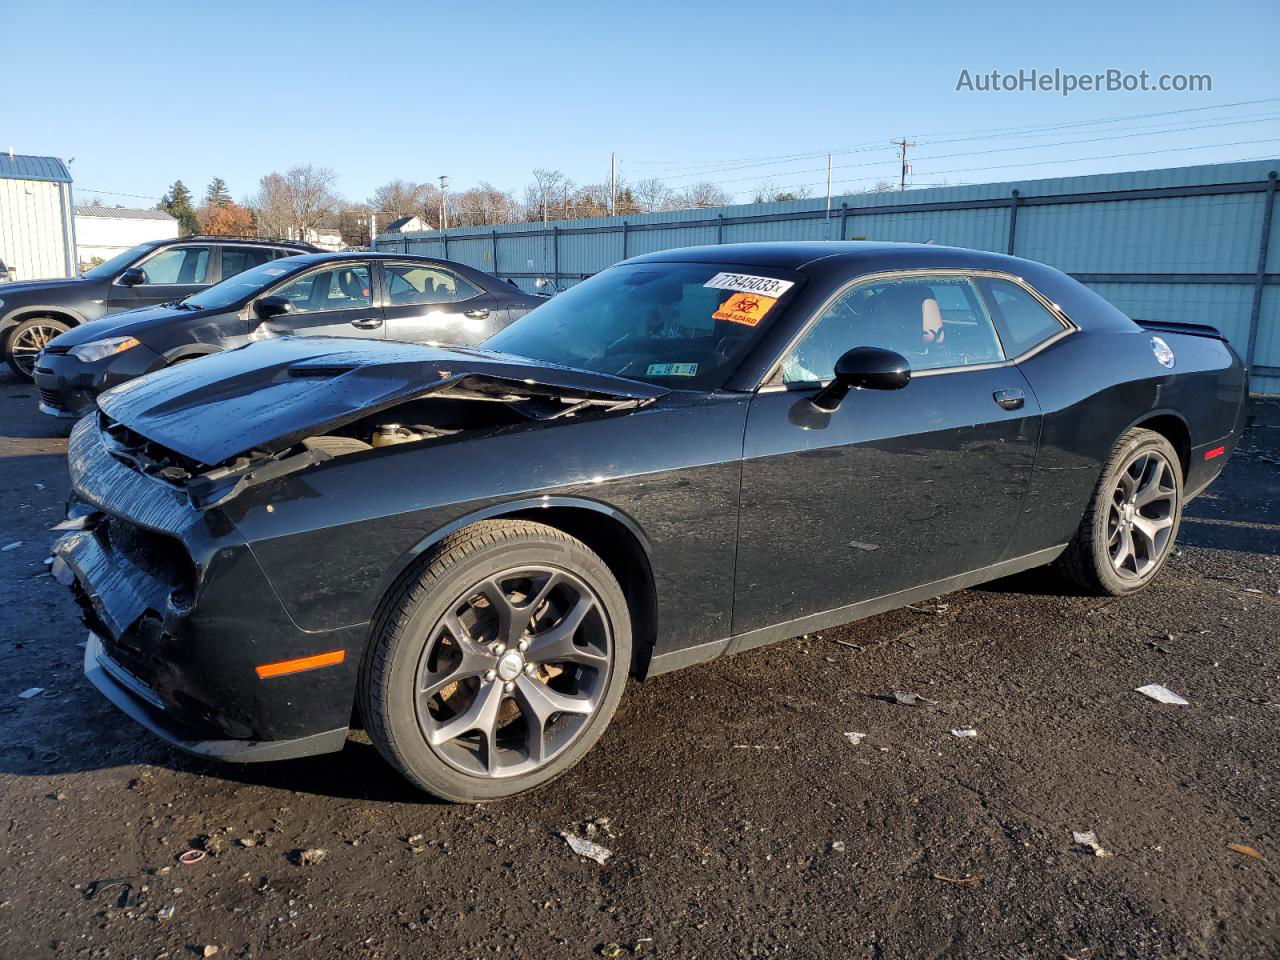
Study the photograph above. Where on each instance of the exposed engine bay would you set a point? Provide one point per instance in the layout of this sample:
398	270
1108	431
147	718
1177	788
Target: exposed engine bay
439	415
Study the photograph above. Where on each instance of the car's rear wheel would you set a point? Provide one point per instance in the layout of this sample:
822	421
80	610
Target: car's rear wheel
26	341
1129	529
497	664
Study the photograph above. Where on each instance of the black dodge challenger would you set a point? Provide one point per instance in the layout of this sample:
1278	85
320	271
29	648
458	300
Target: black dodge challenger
693	453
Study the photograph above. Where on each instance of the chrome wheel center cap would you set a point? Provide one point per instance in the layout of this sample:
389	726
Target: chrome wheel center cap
510	666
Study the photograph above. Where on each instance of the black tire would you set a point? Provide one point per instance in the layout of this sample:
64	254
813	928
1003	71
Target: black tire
28	338
1089	560
412	626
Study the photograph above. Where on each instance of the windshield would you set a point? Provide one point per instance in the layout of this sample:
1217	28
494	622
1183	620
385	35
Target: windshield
242	285
110	268
681	325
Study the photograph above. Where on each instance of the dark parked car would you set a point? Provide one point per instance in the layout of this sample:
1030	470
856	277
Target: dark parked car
374	296
34	312
693	453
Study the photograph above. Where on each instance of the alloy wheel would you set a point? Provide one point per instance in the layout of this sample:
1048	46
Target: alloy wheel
512	672
1141	515
25	345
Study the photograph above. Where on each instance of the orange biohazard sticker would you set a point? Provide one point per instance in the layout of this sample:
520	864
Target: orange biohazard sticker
744	308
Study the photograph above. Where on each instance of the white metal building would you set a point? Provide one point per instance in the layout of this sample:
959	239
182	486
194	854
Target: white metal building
102	232
37	229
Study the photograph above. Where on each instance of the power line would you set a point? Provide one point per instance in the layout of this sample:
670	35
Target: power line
1026	146
928	139
1039	163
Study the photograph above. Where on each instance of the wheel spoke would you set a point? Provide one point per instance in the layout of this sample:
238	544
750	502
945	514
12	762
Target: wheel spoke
1123	549
539	703
1153	489
481	714
1149	529
556	644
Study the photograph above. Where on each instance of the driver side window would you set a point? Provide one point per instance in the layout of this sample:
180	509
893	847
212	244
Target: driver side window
935	322
345	287
177	265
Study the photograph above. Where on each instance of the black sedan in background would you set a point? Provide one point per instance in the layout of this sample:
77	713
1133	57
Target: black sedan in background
693	453
33	312
369	295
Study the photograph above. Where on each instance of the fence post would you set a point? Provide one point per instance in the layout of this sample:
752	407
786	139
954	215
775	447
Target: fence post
1255	314
406	244
1013	220
719	228
444	239
624	239
844	216
495	252
555	256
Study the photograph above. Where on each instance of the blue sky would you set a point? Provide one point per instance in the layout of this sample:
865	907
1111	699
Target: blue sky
146	93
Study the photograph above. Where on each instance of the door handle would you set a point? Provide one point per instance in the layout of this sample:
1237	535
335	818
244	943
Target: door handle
1010	399
479	314
367	323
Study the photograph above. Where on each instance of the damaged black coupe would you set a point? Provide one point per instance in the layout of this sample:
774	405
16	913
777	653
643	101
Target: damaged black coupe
695	452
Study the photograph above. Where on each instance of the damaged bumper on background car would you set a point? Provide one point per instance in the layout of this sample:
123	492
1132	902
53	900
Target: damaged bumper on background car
187	635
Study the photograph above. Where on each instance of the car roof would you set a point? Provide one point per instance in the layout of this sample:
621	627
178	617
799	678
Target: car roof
863	255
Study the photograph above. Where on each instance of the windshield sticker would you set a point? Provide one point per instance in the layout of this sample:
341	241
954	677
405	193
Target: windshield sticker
745	283
672	370
744	308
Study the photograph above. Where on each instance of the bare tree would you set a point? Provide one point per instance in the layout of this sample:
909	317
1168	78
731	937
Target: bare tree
294	203
548	195
397	199
703	194
482	206
652	196
770	192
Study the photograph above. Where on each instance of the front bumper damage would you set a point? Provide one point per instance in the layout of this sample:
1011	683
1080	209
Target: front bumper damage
180	614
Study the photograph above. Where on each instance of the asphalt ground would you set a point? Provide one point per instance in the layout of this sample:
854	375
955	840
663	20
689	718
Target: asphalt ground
742	818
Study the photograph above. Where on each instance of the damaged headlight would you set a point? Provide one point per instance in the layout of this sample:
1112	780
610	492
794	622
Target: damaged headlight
101	349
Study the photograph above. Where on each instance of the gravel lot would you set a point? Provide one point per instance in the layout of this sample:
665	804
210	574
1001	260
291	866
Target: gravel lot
742	819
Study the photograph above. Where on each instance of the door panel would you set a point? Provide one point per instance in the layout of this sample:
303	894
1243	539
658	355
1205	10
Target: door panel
894	489
426	302
334	301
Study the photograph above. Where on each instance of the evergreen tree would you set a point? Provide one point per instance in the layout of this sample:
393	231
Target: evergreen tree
177	203
217	195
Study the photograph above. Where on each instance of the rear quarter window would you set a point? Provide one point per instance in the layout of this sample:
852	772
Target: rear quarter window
1022	320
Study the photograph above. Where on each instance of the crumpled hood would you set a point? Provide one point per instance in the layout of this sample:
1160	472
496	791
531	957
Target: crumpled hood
128	323
273	393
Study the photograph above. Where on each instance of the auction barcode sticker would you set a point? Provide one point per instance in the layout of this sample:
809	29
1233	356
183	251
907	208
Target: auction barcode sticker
745	283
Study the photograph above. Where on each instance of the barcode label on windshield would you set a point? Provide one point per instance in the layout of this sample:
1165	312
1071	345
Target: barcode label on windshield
745	283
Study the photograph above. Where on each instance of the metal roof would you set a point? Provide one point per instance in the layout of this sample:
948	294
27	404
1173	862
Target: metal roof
119	213
20	167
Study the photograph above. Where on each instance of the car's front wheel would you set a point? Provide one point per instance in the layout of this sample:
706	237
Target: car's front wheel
1128	530
26	341
496	664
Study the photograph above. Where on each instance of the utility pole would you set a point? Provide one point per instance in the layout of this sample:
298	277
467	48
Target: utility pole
906	167
373	229
613	184
444	203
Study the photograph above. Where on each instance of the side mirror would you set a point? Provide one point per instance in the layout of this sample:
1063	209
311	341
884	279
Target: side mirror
267	307
866	368
133	277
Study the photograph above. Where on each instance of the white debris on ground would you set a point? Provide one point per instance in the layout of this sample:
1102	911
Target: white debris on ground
1162	695
854	737
1089	839
586	848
